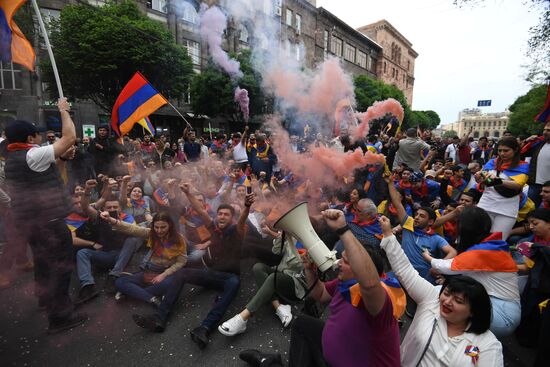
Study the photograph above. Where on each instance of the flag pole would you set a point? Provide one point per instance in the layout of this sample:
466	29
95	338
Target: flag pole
178	112
49	47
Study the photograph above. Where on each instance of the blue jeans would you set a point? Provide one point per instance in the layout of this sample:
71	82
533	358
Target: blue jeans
118	259
506	316
134	286
227	282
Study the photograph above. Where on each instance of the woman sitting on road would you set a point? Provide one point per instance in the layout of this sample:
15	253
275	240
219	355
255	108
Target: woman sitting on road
450	327
167	254
287	281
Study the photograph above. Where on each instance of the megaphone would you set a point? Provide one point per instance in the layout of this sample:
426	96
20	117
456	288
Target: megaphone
296	222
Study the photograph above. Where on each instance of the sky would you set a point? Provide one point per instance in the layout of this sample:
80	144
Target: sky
465	54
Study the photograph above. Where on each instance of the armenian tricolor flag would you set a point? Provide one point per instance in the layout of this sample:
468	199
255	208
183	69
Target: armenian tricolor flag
492	254
14	47
519	173
137	100
74	221
147	125
544	115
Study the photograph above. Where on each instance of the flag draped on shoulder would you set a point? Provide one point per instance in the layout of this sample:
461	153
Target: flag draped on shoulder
137	100
544	115
493	254
518	173
14	46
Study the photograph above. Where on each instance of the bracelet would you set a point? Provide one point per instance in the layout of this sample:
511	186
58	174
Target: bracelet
341	231
93	244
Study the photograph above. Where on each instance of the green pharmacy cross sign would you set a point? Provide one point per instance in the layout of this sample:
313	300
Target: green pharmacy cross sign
89	131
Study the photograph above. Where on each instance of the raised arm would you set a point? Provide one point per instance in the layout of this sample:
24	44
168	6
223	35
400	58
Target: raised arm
417	287
447	217
364	270
85	201
395	199
195	204
128	228
124	190
68	131
248	201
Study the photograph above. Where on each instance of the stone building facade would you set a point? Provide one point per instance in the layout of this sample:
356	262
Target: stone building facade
492	125
396	66
313	33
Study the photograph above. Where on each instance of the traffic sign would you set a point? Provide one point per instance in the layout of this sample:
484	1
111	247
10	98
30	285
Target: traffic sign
484	103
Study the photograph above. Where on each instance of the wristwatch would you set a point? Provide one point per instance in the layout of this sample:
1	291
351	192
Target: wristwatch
341	231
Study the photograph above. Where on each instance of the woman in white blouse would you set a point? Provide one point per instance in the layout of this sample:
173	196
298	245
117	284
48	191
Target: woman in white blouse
451	327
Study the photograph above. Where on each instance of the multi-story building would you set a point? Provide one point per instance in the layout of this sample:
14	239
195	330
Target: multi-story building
491	125
312	33
396	66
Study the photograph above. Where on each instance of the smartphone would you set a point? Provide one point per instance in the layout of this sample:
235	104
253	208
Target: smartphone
113	214
249	190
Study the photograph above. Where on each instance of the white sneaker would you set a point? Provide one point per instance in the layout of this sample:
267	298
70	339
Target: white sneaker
285	314
233	326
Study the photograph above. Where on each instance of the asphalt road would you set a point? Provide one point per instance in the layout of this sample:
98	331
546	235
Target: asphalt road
110	337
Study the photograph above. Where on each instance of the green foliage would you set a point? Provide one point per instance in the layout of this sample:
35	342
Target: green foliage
98	50
524	109
425	119
369	90
450	134
212	91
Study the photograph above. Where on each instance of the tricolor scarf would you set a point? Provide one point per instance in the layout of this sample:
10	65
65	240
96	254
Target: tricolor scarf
350	291
458	184
127	218
544	205
74	221
527	147
261	152
519	173
485	152
371	227
13	147
167	250
492	254
161	197
138	204
421	192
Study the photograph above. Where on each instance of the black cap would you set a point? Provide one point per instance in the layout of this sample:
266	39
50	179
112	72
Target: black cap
19	130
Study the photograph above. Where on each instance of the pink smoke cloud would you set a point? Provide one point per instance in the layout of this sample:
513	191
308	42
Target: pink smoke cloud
321	165
241	97
317	93
212	25
377	110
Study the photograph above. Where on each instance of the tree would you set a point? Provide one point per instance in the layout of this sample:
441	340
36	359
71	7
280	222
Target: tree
212	91
368	91
524	109
450	134
538	45
98	50
427	120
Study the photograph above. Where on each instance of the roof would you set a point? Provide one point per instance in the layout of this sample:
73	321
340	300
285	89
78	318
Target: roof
383	23
347	27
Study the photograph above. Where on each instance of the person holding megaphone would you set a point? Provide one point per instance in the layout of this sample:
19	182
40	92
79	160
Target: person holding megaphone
361	329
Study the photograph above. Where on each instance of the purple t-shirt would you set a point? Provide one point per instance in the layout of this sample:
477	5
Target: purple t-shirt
352	337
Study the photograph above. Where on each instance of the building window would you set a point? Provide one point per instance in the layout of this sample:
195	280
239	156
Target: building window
289	17
362	59
298	52
497	134
243	33
336	46
369	63
158	5
408	65
193	50
298	23
350	53
385	67
189	13
10	76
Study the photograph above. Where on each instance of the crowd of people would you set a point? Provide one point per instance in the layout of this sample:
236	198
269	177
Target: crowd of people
453	233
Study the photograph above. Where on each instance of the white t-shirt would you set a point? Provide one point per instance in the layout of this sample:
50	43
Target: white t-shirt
40	158
493	202
453	151
543	164
239	153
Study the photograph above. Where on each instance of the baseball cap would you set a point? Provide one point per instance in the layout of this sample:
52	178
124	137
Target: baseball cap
430	173
19	130
416	177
